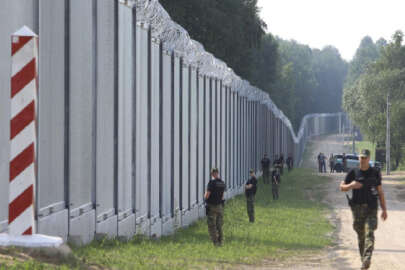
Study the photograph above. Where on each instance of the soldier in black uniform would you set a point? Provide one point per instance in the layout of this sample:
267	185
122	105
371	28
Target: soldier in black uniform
365	183
214	199
275	181
266	169
250	192
281	161
290	162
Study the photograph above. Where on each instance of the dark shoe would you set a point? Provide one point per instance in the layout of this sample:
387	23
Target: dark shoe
366	265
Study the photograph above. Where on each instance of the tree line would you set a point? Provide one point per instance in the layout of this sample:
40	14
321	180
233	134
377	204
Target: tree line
300	80
376	72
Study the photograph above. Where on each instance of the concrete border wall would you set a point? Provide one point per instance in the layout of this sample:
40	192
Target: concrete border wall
129	131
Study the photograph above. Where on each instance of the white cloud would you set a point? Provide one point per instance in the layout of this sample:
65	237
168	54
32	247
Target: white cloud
342	24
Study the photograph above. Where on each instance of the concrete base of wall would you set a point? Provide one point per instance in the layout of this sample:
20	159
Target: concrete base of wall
201	211
194	214
3	226
177	219
82	228
142	226
126	227
185	218
155	227
167	226
55	224
107	228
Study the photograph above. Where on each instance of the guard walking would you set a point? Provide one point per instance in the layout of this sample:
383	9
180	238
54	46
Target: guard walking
214	199
250	192
365	183
266	169
290	162
281	161
275	182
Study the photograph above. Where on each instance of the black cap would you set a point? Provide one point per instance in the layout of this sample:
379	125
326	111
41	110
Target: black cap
364	153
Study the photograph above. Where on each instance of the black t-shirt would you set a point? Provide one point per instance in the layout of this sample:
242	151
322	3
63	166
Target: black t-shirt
217	188
252	191
370	179
275	176
265	163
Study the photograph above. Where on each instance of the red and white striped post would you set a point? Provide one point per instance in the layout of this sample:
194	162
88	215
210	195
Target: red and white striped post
24	87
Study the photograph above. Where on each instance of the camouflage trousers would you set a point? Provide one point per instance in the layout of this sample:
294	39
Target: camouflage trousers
274	190
215	219
365	223
266	176
250	203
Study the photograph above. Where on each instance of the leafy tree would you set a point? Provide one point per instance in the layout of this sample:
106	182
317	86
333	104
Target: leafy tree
230	29
366	98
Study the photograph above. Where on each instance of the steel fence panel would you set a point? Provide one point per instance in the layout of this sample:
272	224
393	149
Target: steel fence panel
82	119
193	106
200	143
51	199
155	134
142	180
176	140
222	126
106	117
185	138
167	135
207	130
126	87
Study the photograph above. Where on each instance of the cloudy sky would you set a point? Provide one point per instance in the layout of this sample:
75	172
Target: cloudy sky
341	23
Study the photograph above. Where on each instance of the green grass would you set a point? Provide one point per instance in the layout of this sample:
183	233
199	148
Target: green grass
285	228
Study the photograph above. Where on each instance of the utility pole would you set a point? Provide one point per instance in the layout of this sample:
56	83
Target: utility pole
354	140
388	139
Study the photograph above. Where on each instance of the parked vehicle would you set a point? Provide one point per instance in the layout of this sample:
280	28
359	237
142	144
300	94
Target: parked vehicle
376	164
352	161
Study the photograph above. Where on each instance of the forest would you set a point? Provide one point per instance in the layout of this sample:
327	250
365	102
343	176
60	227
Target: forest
299	79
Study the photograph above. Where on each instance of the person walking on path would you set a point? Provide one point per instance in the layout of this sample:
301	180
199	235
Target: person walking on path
250	192
319	162
344	160
331	163
266	169
366	186
214	198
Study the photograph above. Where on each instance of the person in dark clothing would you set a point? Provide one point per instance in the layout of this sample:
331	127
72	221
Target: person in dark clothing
281	161
290	162
275	181
319	162
214	198
365	183
250	192
344	160
266	169
276	162
331	163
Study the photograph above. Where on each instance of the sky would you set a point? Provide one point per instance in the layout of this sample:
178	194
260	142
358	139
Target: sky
340	23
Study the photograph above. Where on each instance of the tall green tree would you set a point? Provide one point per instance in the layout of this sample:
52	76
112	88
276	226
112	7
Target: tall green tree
230	29
366	98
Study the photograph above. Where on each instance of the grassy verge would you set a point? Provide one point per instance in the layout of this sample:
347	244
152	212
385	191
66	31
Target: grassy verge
295	224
